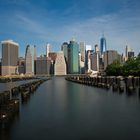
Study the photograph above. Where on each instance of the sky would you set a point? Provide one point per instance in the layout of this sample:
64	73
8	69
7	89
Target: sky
38	22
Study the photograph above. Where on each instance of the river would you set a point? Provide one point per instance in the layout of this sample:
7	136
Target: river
63	110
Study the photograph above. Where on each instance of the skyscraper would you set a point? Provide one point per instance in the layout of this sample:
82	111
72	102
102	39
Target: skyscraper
103	45
128	53
64	48
73	57
97	49
21	65
9	57
42	65
109	57
89	60
82	51
60	64
30	57
48	49
95	61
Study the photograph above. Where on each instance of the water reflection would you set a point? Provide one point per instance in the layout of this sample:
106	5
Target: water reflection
66	110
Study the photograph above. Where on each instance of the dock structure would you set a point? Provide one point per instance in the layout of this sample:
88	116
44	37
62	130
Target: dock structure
9	107
116	83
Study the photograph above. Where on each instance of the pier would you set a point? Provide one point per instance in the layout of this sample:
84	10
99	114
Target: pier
119	84
10	100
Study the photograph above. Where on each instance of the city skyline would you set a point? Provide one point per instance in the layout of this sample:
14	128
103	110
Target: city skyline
54	22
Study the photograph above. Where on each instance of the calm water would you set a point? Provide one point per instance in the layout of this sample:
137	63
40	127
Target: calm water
62	110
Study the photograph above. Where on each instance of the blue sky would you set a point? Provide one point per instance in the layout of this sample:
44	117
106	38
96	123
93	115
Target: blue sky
38	22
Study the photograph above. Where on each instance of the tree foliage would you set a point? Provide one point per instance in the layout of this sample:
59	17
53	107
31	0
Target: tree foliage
130	67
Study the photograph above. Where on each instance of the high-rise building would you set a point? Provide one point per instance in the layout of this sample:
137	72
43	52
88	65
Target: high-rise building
21	65
73	57
89	60
64	48
103	47
9	57
52	56
95	61
30	57
109	57
128	53
60	64
82	52
48	49
97	50
42	65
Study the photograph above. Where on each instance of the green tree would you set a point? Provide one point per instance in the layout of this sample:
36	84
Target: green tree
114	69
130	67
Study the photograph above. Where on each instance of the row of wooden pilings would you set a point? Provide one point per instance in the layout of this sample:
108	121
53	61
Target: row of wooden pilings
14	79
10	101
117	83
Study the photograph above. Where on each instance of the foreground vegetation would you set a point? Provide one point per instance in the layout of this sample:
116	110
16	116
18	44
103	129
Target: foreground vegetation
130	67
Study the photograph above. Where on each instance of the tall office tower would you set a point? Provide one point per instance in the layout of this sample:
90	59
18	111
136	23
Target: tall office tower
48	49
9	57
0	67
88	52
42	65
52	56
128	53
60	64
95	61
21	65
30	56
109	57
97	50
73	57
64	48
103	47
82	52
89	60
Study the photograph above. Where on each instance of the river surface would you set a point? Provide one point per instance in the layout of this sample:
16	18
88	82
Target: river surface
63	110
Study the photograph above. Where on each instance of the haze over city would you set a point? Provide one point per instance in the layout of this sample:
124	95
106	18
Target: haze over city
41	22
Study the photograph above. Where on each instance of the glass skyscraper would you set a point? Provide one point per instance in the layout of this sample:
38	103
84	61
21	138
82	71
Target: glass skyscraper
103	45
73	57
64	48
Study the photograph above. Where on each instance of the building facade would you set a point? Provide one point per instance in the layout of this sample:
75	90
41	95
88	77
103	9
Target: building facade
48	49
60	64
95	61
21	65
30	57
42	66
82	52
129	53
52	56
9	57
64	48
103	47
109	57
73	57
